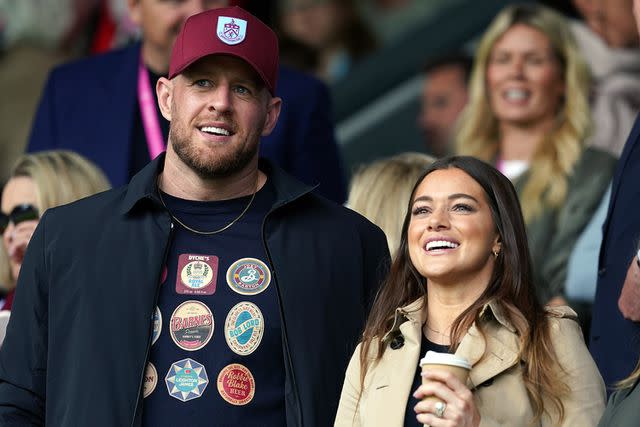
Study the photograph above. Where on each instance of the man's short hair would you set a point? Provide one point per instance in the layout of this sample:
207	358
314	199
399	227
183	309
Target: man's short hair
457	59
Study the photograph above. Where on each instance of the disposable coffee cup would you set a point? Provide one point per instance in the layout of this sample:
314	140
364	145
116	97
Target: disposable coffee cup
458	366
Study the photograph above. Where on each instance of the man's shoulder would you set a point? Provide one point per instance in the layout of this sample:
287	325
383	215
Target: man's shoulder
332	213
297	84
88	210
94	67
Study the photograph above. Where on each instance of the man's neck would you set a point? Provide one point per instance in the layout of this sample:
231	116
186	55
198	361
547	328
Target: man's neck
178	180
155	61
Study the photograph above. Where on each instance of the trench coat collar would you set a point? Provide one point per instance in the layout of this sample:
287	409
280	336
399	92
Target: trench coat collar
489	354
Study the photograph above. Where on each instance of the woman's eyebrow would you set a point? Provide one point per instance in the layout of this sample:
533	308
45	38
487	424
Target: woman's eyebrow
451	197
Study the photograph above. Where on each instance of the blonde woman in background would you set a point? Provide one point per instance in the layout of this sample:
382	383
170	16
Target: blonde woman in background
380	191
528	115
38	182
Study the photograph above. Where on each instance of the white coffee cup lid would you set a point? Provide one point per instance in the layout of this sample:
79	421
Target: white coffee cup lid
435	358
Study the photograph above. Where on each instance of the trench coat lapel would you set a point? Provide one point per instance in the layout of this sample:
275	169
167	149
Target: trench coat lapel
489	356
390	390
492	354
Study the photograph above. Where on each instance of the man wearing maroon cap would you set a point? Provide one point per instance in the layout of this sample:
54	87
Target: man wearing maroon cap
104	106
213	289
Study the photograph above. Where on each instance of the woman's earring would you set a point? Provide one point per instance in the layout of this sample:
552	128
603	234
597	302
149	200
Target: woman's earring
495	253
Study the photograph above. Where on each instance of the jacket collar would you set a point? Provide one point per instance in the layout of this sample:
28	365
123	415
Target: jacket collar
490	353
144	185
415	313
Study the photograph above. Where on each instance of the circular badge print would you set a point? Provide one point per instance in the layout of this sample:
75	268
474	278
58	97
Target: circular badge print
196	275
157	325
248	276
236	384
244	328
186	380
191	325
150	380
164	275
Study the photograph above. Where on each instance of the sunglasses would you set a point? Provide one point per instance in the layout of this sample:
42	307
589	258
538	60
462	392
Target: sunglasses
20	213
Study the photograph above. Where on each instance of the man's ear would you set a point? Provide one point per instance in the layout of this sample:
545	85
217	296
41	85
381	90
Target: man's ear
164	90
134	11
273	112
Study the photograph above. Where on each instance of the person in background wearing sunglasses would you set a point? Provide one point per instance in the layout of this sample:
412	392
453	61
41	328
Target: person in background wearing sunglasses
38	182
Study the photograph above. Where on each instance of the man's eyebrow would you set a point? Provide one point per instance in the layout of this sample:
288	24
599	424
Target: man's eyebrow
451	197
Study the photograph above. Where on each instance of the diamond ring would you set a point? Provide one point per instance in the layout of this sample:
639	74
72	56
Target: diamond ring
440	408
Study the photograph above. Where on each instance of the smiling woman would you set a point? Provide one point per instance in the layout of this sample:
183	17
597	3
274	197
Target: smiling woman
462	283
528	114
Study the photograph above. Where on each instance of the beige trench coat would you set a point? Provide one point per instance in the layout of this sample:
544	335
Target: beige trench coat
496	376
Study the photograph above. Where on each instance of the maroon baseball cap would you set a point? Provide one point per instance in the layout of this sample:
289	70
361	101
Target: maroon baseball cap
227	31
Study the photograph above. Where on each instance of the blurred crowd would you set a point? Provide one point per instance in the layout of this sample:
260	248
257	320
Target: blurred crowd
550	99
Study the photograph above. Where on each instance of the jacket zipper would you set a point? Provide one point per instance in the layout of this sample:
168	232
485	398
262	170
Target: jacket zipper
155	303
282	316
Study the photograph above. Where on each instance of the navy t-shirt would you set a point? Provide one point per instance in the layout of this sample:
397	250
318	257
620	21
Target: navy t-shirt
410	414
216	357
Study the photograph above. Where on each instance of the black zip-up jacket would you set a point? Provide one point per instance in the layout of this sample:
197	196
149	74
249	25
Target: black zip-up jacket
80	330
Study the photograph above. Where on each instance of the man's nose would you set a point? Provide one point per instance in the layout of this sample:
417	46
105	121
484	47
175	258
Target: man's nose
220	100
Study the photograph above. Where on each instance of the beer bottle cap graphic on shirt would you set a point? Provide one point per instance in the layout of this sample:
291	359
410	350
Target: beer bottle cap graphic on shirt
236	384
243	328
191	325
197	274
186	380
248	276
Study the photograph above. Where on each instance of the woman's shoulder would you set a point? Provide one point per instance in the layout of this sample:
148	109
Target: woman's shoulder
594	157
562	318
561	312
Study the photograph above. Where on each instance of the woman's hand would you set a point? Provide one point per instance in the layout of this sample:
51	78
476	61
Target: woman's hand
460	409
19	240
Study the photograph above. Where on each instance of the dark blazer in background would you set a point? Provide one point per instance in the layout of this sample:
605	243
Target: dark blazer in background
615	341
90	105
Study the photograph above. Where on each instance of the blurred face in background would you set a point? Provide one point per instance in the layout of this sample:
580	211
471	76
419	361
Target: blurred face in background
20	190
444	96
524	78
636	14
316	23
613	20
160	22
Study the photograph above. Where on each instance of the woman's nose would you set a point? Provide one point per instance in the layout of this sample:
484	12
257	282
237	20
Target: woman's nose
438	220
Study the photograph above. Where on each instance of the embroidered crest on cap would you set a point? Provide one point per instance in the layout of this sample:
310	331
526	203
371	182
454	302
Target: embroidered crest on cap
186	380
191	325
231	30
197	274
248	276
236	384
243	328
150	380
157	325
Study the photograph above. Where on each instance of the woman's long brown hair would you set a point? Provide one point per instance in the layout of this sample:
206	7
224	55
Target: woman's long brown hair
511	287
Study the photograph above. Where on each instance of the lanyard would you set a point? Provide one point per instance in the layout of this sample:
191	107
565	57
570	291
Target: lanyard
150	122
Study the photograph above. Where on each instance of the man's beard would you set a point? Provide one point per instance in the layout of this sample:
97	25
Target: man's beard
207	165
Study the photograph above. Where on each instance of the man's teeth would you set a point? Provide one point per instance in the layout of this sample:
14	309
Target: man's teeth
441	244
216	131
516	94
